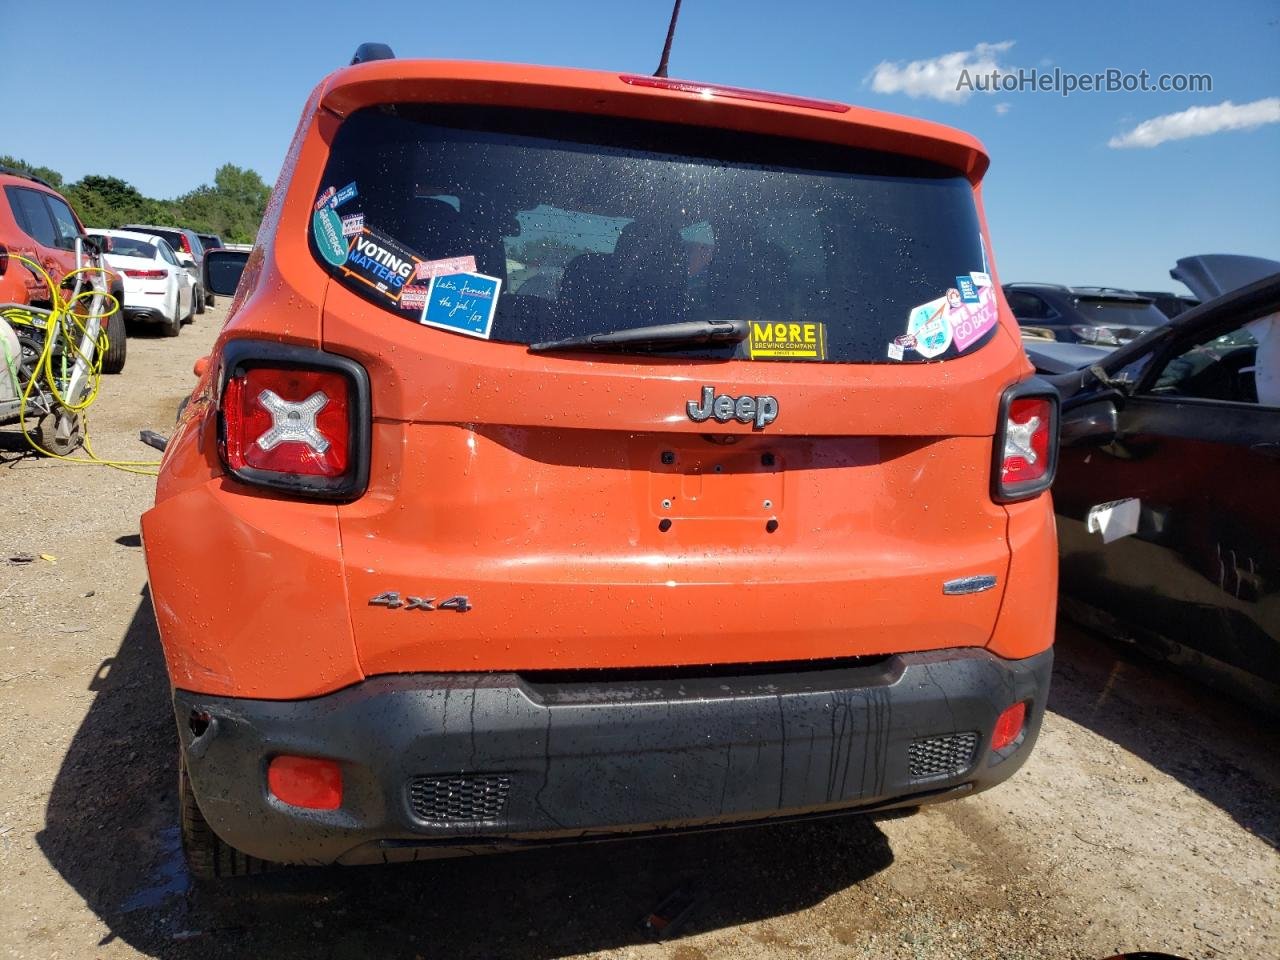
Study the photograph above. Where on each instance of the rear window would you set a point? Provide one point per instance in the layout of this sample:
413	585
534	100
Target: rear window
129	247
528	226
1123	313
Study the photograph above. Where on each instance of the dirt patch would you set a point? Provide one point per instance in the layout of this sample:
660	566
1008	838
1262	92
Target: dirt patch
1147	818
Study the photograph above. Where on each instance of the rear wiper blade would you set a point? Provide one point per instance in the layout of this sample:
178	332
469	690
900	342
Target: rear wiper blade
658	336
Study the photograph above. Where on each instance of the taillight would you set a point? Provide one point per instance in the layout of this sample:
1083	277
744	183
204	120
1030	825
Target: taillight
4	259
1026	442
186	244
146	274
1009	726
295	419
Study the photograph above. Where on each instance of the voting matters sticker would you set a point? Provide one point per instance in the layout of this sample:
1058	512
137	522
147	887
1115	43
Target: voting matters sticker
795	341
378	261
462	302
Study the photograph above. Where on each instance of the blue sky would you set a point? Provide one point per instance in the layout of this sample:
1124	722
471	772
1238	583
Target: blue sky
186	87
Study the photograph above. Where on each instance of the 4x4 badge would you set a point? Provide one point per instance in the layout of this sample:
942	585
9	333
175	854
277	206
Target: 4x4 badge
759	411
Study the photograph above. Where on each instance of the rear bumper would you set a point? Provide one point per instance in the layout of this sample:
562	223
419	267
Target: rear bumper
146	314
447	763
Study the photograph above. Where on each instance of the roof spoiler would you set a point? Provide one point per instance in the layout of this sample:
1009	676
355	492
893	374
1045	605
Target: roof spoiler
372	51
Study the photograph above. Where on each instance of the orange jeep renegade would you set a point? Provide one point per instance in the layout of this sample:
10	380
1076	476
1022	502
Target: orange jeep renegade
591	454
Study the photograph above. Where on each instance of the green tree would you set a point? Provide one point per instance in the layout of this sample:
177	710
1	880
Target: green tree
51	177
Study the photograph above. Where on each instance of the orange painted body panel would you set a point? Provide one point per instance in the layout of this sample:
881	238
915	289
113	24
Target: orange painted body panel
534	484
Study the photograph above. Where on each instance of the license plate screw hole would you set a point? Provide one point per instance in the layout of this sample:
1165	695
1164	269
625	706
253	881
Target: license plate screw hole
666	504
664	524
768	504
772	525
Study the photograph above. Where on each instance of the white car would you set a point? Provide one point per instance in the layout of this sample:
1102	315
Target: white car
157	288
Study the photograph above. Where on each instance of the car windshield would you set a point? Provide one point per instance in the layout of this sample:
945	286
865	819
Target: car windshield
130	247
1120	313
572	225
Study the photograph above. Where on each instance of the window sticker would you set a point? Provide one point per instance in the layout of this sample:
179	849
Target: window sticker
353	224
931	327
968	289
796	341
327	229
326	195
343	195
439	268
970	321
413	297
981	279
462	302
378	261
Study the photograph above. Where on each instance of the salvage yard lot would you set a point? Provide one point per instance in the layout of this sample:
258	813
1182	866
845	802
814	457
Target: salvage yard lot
1147	818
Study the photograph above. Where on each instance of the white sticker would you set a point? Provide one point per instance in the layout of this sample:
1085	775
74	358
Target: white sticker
1114	520
895	351
353	225
981	279
931	328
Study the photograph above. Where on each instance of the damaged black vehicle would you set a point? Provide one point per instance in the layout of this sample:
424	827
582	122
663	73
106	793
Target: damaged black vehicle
1168	481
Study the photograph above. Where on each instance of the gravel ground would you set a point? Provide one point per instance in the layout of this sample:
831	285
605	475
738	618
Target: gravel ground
1148	816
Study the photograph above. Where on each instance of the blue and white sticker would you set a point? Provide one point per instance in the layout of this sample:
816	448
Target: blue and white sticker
931	328
463	303
343	195
968	289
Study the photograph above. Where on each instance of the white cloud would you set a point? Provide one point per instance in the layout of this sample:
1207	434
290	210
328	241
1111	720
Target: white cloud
1200	122
1003	108
939	77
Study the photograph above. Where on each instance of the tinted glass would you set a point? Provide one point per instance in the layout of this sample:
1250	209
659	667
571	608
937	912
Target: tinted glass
65	221
1123	313
166	252
33	215
599	224
129	247
209	242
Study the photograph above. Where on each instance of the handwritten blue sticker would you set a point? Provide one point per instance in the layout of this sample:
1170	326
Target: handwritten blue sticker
326	226
462	302
968	289
343	195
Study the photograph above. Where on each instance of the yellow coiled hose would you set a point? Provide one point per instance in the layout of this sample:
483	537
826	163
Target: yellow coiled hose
68	324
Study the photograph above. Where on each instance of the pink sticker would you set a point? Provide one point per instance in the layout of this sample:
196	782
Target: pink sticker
443	268
323	200
970	321
413	298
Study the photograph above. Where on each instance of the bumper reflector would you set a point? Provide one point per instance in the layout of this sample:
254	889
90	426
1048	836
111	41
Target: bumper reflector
1009	726
305	782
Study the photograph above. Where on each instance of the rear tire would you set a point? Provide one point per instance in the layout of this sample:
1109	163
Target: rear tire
171	327
191	308
210	300
208	858
117	343
198	299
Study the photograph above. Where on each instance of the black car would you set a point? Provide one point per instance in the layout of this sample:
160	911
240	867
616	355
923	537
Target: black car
1103	315
1167	481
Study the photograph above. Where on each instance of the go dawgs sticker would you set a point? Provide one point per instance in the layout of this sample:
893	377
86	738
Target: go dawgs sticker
380	262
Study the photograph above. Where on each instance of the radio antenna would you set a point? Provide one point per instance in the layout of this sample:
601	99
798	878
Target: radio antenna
666	47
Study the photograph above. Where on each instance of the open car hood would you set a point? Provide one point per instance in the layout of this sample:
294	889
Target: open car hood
1211	275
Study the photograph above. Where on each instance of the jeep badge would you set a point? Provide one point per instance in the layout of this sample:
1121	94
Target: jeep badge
745	409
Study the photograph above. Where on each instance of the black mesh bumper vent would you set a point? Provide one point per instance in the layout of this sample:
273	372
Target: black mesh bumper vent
461	799
942	756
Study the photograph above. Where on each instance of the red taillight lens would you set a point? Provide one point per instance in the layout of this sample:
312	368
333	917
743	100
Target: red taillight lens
1026	443
305	782
1026	440
186	244
146	274
288	421
293	418
1009	726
